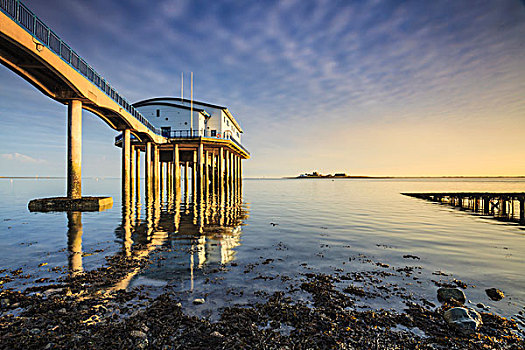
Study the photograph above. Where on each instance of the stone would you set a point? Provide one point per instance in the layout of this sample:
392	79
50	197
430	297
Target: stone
216	334
495	294
465	320
35	331
449	294
199	301
138	334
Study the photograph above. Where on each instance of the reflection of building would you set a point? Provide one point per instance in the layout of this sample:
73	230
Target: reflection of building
191	236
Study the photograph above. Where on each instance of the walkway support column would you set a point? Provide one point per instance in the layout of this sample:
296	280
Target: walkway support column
206	173
147	169
126	152
200	166
137	175
176	171
155	170
220	172
74	149
186	165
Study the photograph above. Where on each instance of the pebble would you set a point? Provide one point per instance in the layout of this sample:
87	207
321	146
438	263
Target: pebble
199	301
35	331
216	334
449	294
466	320
138	334
495	294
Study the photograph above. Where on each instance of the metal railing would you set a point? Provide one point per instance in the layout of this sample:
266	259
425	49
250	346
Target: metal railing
39	30
185	133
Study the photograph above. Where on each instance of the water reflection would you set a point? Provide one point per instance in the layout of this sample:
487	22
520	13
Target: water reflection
74	242
191	233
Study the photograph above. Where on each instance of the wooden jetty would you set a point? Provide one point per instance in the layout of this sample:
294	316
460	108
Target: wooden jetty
508	206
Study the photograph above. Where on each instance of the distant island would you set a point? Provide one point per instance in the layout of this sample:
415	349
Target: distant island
317	175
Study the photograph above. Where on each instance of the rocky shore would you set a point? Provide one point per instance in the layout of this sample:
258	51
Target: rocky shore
86	312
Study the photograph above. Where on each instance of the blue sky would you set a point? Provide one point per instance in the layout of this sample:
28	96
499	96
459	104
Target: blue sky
364	87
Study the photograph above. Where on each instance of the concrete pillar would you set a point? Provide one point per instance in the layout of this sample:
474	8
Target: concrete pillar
213	172
74	149
503	207
230	170
206	173
194	176
147	169
220	172
132	177
186	165
155	170
200	169
176	171
161	178
137	174
126	166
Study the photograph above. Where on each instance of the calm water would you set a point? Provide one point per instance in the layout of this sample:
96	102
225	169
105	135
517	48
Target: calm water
225	253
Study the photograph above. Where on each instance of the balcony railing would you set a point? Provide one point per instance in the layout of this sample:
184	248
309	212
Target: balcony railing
32	24
186	134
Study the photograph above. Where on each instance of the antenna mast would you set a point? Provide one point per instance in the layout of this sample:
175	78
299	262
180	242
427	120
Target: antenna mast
191	103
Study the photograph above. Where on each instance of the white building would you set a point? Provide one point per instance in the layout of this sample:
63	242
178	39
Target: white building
173	117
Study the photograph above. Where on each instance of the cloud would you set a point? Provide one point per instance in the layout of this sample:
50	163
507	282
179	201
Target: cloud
22	158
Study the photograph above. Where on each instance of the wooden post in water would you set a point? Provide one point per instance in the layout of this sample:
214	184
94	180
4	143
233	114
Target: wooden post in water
486	205
522	211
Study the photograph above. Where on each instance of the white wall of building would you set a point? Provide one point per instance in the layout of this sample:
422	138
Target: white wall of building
178	118
175	118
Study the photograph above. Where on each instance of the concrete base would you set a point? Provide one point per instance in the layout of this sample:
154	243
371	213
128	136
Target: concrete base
68	204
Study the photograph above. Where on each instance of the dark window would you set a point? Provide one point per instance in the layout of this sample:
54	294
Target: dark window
166	131
158	113
214	133
166	118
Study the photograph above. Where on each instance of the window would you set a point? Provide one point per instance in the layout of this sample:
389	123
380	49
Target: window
158	113
214	133
166	118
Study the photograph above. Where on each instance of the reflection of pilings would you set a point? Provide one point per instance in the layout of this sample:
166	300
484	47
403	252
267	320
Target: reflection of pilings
155	172
186	165
499	205
74	242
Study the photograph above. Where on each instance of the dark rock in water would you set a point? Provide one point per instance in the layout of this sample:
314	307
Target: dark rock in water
495	294
449	294
466	320
482	306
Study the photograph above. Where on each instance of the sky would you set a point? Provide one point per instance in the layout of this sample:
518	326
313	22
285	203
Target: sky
399	88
